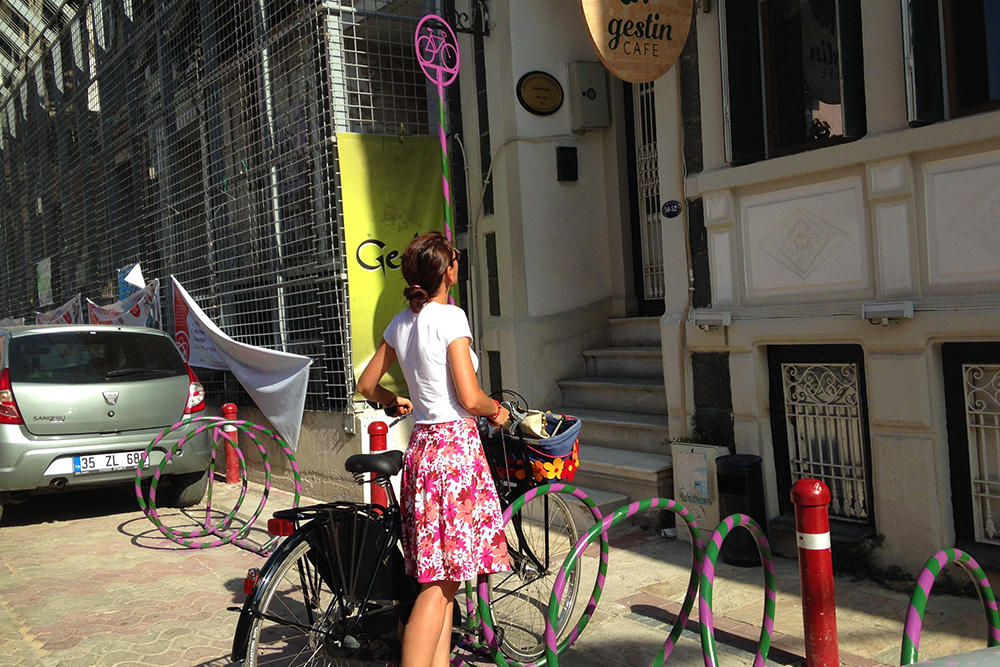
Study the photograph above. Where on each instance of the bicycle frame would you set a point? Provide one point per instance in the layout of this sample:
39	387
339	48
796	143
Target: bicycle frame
374	532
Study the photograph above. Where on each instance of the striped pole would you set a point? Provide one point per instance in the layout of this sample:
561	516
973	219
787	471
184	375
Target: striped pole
228	432
449	217
437	53
377	431
819	612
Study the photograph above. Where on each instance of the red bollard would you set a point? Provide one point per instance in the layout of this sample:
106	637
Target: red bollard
376	443
228	431
812	532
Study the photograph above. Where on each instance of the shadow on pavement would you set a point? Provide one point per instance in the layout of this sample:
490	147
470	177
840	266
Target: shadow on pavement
776	654
71	505
216	662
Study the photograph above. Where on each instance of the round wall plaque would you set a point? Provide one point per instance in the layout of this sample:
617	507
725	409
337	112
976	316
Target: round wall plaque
539	93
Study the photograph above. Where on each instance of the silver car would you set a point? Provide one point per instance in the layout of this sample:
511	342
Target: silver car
79	404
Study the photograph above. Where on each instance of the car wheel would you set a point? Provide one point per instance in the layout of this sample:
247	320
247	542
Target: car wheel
187	489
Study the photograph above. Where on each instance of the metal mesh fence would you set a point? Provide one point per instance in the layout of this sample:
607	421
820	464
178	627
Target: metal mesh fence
198	138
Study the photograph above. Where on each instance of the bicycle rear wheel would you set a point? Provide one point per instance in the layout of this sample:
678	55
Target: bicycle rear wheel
539	537
330	601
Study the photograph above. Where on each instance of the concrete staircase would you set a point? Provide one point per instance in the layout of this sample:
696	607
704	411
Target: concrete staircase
624	455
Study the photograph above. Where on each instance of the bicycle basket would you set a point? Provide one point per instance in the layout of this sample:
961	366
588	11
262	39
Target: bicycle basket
523	459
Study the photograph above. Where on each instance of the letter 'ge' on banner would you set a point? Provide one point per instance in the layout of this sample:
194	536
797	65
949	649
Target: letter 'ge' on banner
638	40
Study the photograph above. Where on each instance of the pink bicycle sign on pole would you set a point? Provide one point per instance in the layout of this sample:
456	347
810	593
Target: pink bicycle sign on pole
437	53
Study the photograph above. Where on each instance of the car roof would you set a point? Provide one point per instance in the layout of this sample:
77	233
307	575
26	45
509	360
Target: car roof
28	329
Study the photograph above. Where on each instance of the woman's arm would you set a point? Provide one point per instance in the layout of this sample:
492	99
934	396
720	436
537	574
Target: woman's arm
368	383
470	395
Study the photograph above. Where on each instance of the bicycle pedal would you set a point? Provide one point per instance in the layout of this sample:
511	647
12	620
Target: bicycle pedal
473	647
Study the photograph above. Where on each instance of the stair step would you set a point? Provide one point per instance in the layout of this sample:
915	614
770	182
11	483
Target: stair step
636	431
639	474
627	394
636	361
635	331
607	502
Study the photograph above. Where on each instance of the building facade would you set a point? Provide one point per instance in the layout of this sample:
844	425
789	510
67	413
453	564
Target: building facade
788	245
830	287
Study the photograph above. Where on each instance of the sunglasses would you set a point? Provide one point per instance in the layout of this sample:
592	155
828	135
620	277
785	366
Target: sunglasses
456	255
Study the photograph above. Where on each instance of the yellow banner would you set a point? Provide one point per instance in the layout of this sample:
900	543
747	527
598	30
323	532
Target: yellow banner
391	192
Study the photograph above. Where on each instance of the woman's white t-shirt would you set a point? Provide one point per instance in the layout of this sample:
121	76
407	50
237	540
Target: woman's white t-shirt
421	343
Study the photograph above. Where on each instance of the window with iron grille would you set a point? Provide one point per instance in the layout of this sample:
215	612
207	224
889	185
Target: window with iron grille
819	423
972	404
198	137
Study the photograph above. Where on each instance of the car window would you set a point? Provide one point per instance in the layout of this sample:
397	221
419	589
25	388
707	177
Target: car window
83	357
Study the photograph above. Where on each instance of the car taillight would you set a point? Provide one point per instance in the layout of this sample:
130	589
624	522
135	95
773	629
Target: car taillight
280	527
253	574
196	394
9	414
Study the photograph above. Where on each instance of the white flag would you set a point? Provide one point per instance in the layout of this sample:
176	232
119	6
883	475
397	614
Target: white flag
276	381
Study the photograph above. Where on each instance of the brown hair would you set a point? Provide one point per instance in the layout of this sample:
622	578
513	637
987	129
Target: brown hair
424	262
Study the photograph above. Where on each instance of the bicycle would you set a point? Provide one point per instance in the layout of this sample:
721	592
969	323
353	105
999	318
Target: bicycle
336	589
539	537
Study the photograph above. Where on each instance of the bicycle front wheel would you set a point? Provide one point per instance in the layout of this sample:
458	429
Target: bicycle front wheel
315	607
539	537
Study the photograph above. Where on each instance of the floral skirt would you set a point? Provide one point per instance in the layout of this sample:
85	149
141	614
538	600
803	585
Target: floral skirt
452	528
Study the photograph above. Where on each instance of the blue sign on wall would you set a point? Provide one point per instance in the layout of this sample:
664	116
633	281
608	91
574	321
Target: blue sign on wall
671	209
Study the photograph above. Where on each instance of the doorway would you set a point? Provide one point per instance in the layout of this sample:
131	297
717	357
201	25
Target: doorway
644	198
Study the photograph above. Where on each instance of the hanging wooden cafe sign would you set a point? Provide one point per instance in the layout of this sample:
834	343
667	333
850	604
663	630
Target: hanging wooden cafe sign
638	40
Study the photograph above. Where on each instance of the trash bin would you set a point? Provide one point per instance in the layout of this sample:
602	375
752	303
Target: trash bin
741	491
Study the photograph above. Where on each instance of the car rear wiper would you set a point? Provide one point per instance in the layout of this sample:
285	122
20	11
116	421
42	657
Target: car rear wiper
134	371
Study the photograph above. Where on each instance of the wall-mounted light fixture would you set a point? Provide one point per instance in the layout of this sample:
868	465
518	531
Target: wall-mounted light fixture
884	312
707	319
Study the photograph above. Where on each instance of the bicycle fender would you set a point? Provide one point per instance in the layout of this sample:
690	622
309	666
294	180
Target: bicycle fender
241	638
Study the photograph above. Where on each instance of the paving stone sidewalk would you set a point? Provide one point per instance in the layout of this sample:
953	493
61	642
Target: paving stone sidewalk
87	581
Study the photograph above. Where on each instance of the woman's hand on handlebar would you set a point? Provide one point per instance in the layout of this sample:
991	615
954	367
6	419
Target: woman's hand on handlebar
401	406
500	418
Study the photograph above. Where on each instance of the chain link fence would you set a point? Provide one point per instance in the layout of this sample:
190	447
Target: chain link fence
198	138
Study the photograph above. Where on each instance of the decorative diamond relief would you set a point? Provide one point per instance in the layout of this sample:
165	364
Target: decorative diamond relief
984	227
802	241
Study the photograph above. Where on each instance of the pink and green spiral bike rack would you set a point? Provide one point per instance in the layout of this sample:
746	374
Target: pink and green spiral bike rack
703	564
480	612
701	586
918	605
216	533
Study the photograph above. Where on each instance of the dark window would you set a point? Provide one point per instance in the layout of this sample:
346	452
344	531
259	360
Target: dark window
794	76
93	357
969	80
492	274
495	376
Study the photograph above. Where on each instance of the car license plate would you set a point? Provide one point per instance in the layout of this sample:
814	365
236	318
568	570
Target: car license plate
84	465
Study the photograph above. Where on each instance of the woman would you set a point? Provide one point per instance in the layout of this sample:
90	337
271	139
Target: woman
452	528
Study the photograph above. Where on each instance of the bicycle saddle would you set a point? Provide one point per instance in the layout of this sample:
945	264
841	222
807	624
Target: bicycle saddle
385	463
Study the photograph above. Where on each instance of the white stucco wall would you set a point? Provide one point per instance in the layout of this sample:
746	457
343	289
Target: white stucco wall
562	247
900	216
564	224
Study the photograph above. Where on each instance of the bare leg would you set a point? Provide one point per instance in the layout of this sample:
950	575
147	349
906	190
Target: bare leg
442	654
430	618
